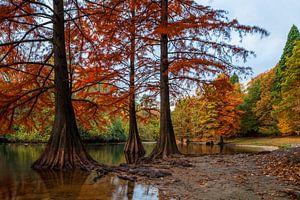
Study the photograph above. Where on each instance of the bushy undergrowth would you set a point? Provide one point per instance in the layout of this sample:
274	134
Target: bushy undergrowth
117	131
113	133
22	135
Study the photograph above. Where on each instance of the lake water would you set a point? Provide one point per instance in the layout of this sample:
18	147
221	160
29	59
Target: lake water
19	181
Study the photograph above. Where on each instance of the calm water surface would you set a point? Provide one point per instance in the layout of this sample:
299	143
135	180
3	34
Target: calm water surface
19	181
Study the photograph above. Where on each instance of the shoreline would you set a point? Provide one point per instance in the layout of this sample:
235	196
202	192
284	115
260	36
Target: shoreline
271	175
264	147
42	142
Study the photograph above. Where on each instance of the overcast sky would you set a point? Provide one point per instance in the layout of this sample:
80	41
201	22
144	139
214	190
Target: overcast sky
276	16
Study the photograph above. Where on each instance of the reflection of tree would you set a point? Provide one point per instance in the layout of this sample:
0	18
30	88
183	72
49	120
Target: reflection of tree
16	178
27	188
203	149
73	185
20	157
221	148
116	153
130	190
111	154
63	184
6	192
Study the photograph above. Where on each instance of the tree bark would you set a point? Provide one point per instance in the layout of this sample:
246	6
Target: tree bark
133	147
64	149
166	144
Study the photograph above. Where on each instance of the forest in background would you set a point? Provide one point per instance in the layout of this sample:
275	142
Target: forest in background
268	106
124	70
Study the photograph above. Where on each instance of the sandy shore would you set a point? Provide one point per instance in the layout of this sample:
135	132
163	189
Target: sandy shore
240	176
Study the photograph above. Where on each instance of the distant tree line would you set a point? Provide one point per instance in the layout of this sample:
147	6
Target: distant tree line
269	106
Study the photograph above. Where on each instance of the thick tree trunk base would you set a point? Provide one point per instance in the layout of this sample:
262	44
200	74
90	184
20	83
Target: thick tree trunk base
162	152
133	153
134	149
133	157
56	162
65	154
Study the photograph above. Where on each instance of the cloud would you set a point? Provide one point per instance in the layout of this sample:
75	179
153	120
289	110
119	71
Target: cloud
277	17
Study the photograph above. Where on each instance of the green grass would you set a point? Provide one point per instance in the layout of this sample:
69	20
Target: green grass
282	142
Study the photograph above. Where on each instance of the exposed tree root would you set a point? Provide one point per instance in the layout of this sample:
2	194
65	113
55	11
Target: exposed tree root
64	158
50	164
153	170
127	178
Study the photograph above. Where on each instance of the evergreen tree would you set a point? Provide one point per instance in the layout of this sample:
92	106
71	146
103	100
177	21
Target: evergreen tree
293	36
289	107
234	79
249	121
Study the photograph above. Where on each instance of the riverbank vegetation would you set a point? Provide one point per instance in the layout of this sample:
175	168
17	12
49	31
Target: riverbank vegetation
267	106
109	71
80	71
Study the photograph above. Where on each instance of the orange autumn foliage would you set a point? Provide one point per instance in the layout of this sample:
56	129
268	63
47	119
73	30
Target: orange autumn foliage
213	112
97	44
227	97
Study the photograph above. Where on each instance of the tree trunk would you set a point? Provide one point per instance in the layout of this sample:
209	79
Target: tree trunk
221	142
64	149
166	144
133	147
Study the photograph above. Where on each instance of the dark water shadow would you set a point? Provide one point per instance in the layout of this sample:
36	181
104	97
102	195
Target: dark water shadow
82	185
63	184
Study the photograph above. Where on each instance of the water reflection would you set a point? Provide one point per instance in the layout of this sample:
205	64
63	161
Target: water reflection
64	185
75	185
25	187
113	154
19	181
